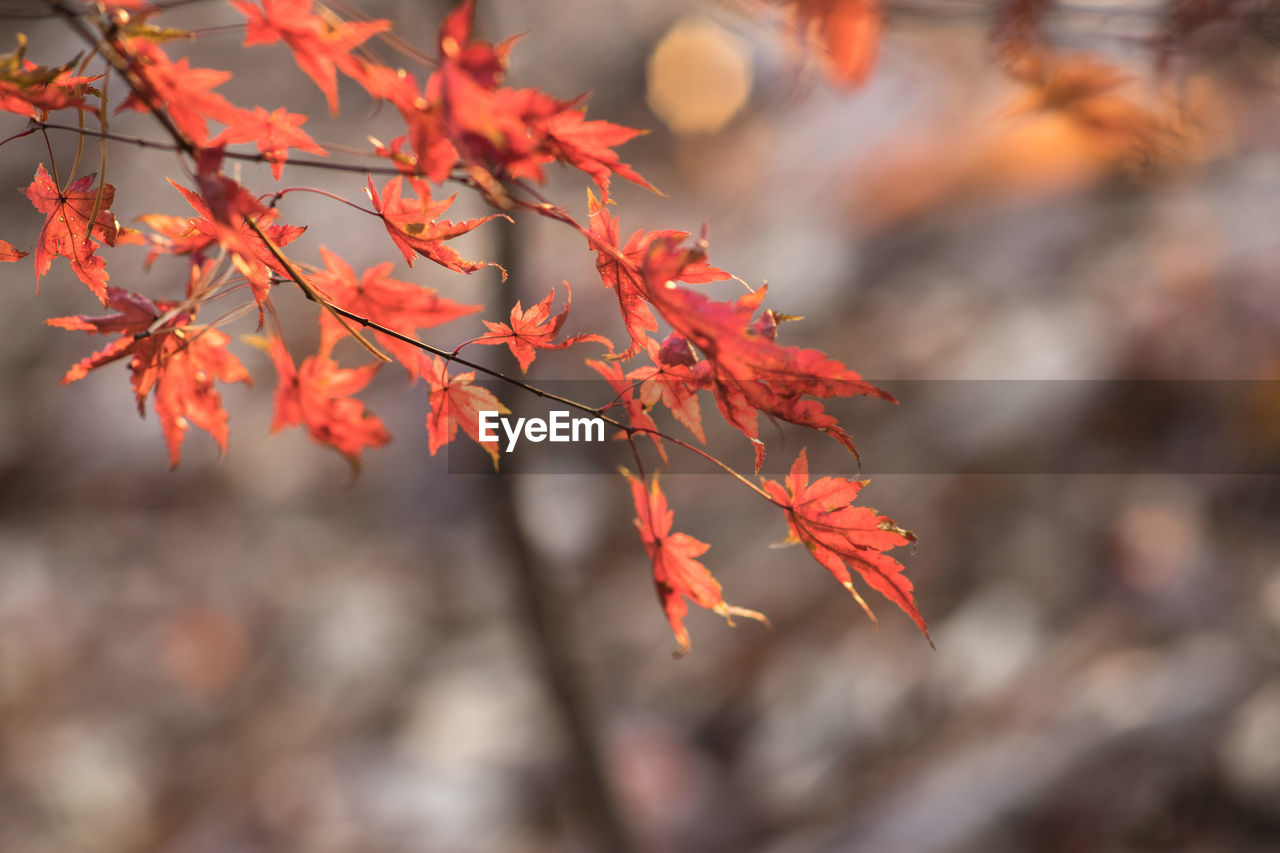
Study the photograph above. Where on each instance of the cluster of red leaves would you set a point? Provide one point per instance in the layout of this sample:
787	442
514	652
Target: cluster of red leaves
463	118
168	355
224	211
462	123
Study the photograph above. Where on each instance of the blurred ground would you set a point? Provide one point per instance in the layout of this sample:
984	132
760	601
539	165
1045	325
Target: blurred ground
249	656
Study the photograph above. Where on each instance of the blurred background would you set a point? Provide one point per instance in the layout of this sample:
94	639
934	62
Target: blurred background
257	654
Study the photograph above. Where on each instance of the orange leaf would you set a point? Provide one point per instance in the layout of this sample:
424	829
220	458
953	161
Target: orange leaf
180	362
839	535
376	296
415	226
455	401
677	573
67	231
223	205
626	279
674	379
274	132
637	413
33	90
588	145
319	395
321	44
749	372
535	329
176	89
9	253
846	31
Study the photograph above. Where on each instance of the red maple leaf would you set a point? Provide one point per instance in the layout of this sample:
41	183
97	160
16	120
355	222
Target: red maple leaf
677	573
395	304
274	132
484	62
177	90
321	43
223	208
514	133
838	535
535	329
588	145
456	402
749	371
624	275
177	360
67	230
495	130
33	90
674	379
175	235
319	396
625	393
415	226
426	149
9	253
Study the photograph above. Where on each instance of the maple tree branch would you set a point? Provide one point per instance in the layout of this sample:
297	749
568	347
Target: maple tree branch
279	194
457	359
311	292
724	466
542	208
53	164
598	412
186	146
229	155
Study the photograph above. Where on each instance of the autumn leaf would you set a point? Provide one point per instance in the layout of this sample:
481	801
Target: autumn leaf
846	33
514	133
175	235
222	209
749	371
625	394
178	361
274	132
33	90
456	402
534	329
839	535
624	275
177	90
395	304
588	145
486	63
319	396
321	43
677	572
9	253
674	379
67	230
415	226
